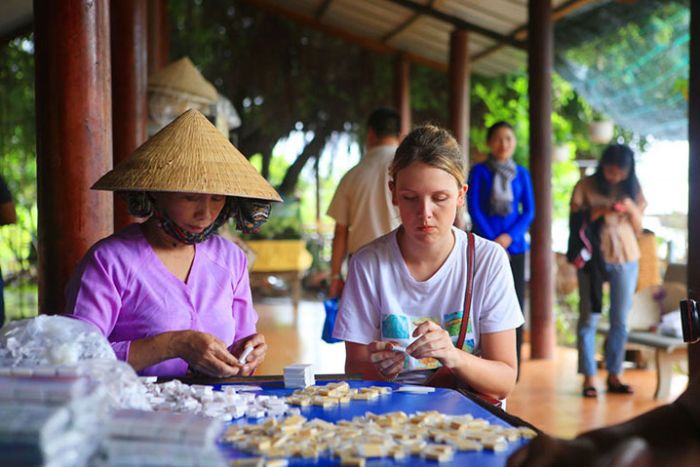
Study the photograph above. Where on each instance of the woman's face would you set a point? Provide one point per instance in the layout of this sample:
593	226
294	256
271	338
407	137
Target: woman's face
427	198
502	144
193	212
614	174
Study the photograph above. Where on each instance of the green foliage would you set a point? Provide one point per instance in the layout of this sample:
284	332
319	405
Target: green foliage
628	62
278	74
18	168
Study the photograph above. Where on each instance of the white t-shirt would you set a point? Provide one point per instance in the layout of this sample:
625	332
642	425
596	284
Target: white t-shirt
382	301
362	200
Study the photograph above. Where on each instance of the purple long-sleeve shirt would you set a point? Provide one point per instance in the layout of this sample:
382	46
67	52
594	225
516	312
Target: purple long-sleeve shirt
124	289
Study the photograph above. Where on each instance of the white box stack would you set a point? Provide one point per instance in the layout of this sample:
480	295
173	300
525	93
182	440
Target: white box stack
49	420
300	375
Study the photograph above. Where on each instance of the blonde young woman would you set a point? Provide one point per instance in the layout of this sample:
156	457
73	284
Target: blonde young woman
170	295
408	287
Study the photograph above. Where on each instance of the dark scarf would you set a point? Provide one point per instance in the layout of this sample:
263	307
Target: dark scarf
185	236
250	215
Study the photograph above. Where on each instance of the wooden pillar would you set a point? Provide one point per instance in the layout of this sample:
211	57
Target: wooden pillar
402	93
158	35
542	329
128	20
74	137
459	88
694	175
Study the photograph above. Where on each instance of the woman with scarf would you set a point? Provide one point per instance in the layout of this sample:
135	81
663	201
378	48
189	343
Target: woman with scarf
169	294
501	205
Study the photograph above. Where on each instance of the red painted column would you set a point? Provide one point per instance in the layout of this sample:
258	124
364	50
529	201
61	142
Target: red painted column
694	175
158	35
459	88
402	93
128	25
74	137
540	57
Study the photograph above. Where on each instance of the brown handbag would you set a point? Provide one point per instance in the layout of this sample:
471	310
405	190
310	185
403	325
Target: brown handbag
443	376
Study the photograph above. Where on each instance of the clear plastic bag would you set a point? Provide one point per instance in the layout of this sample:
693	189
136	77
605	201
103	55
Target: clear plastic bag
51	340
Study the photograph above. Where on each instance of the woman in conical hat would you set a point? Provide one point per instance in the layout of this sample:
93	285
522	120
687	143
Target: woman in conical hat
169	294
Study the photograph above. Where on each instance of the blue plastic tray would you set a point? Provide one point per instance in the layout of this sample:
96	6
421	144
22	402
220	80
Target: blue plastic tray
446	401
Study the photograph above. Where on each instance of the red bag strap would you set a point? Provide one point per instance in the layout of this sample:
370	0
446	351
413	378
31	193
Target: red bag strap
468	293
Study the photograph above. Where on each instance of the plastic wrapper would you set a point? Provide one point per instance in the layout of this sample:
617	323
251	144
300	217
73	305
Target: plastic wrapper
51	340
124	388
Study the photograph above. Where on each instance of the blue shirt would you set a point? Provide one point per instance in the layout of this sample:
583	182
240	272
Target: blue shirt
515	224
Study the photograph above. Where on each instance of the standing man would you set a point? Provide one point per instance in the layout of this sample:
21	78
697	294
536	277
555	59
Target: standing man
7	216
362	206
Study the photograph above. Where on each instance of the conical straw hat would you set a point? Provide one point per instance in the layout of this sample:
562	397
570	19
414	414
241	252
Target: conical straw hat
181	77
190	156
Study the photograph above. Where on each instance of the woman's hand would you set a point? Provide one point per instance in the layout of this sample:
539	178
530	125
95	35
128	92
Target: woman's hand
336	288
205	354
504	240
255	357
387	362
433	342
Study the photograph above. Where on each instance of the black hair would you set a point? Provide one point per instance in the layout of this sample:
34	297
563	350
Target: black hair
618	155
385	122
492	129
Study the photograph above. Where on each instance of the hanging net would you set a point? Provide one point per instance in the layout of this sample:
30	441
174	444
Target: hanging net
629	60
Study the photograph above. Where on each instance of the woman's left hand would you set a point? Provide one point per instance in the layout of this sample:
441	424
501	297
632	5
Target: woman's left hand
255	358
433	342
504	240
387	362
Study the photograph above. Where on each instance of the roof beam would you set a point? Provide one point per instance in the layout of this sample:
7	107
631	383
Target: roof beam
365	42
406	24
322	9
460	23
520	33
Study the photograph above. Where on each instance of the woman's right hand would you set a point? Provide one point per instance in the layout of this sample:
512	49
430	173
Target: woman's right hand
205	354
336	288
387	362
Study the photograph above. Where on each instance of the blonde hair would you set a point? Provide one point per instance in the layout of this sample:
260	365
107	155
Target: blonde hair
433	146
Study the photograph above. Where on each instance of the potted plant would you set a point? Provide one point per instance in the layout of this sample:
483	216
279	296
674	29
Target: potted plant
601	131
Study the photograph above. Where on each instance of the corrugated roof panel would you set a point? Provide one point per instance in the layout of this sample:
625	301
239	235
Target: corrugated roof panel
382	9
426	46
427	36
476	41
421	32
436	55
354	17
490	15
430	28
480	42
501	69
484	69
501	58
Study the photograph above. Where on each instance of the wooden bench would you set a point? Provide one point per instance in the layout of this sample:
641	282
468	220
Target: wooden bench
668	350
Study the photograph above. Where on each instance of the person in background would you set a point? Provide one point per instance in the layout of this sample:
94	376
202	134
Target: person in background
8	215
361	205
501	205
408	287
612	194
171	295
666	436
